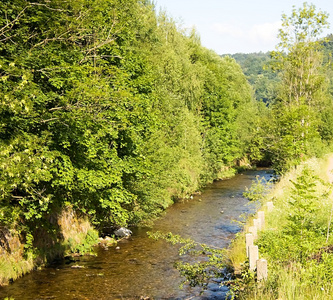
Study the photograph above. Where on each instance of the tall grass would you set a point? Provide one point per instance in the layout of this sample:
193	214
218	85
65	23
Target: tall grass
77	238
78	234
14	263
297	240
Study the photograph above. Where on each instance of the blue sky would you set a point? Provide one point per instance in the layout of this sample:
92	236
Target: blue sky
231	26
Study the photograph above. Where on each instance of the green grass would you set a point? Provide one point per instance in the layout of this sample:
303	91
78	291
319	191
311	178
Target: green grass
297	239
13	266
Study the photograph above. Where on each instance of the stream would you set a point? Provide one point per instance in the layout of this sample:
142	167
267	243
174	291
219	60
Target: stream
143	267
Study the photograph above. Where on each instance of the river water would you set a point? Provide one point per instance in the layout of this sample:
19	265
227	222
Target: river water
143	267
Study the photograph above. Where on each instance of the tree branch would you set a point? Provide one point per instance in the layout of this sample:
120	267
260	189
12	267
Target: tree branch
48	7
12	23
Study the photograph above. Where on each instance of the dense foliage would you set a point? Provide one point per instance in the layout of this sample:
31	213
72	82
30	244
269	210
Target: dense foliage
295	83
112	110
297	117
296	124
261	76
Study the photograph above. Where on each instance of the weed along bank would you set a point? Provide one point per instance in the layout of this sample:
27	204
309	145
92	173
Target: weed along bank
288	242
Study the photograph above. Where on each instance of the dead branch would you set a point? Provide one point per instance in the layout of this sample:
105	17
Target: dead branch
48	7
57	108
57	38
49	120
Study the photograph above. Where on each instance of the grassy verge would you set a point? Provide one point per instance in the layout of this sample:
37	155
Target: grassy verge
297	240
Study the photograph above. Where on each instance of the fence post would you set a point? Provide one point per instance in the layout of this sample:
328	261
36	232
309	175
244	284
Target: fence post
248	242
257	223
270	206
253	256
262	269
253	230
261	217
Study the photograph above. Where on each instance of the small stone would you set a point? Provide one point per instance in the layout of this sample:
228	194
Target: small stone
123	232
77	267
117	248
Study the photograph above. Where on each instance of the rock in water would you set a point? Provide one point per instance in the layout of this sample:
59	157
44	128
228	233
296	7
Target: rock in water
107	241
123	232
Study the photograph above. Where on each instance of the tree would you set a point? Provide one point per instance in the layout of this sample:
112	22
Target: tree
303	89
111	110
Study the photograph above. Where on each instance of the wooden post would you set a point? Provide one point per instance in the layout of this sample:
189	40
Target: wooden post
253	257
261	217
248	242
253	230
262	269
270	206
257	223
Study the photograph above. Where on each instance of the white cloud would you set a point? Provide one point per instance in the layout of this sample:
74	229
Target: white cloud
229	29
264	34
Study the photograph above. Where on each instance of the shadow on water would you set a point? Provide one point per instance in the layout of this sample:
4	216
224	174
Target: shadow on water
143	267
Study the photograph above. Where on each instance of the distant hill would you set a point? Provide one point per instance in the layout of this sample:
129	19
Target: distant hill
256	67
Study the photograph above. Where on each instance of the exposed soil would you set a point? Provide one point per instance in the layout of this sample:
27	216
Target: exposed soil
318	255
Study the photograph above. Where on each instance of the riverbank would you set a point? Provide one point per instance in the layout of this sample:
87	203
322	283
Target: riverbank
75	236
297	239
21	253
139	266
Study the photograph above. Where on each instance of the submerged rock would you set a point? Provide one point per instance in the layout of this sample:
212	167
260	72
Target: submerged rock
123	232
107	241
77	267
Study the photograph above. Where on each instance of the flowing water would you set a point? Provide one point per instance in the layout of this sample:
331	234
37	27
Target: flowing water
143	267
